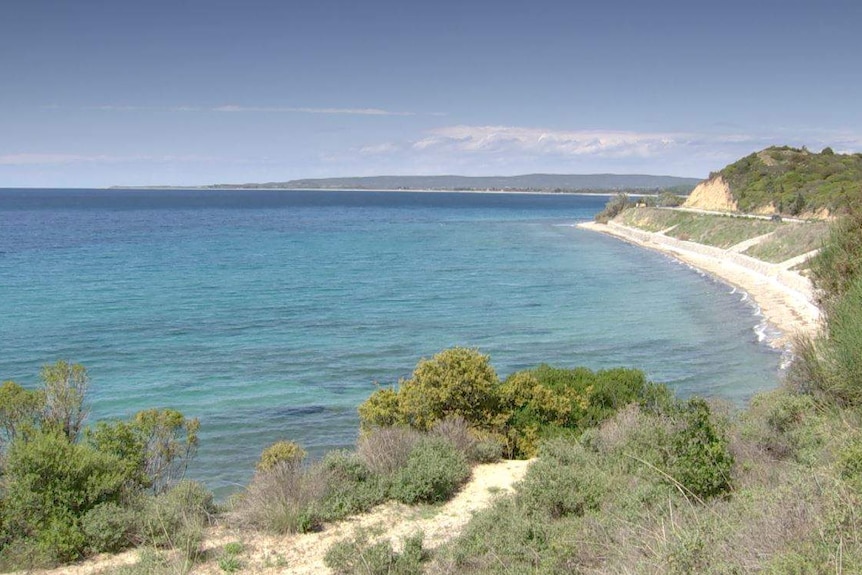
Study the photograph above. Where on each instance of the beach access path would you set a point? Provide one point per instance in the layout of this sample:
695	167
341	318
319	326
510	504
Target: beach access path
784	296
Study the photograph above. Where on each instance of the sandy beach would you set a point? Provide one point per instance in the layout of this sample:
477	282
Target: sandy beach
785	298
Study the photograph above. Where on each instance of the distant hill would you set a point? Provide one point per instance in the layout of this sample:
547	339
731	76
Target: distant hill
784	180
529	182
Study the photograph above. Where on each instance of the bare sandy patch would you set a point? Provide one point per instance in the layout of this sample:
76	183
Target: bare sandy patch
303	553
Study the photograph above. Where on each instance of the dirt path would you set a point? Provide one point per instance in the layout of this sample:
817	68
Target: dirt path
303	554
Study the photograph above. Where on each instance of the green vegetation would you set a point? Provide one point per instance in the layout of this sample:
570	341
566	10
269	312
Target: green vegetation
665	486
708	229
66	494
357	556
435	469
627	478
518	413
613	208
795	181
790	240
280	452
786	239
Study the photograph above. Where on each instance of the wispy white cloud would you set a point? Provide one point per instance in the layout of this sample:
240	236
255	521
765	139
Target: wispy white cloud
573	143
516	149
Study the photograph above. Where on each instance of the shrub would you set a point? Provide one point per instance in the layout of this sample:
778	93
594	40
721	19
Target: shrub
547	401
456	381
50	484
850	463
20	410
176	519
281	500
359	557
701	460
565	480
839	263
65	385
109	528
844	346
476	445
280	452
350	486
504	534
774	419
385	450
613	208
381	409
434	471
155	446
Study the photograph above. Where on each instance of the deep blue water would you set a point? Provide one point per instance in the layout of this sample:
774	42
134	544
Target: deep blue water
271	314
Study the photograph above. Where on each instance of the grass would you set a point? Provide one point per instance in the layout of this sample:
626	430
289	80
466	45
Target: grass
608	504
789	241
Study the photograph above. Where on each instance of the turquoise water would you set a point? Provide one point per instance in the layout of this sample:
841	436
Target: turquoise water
270	314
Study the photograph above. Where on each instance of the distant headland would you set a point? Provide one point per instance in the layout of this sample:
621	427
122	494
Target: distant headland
560	183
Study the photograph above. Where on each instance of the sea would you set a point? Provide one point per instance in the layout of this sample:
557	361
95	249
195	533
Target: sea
272	314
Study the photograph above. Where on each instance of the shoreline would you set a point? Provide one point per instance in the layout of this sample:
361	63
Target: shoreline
785	298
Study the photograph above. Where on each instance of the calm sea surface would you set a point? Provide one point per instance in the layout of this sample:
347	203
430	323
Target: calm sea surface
271	314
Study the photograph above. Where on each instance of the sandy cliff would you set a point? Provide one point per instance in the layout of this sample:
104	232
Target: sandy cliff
712	194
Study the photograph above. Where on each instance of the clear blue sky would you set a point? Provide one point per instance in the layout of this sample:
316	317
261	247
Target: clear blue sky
102	92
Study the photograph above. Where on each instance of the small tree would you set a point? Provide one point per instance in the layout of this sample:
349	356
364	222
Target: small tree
65	385
20	411
613	208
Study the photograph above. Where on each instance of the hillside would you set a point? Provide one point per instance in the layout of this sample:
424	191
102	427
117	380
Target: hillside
784	180
527	182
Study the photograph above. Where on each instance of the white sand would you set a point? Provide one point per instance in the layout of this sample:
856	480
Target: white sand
785	298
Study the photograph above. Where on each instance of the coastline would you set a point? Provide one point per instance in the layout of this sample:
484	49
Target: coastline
785	298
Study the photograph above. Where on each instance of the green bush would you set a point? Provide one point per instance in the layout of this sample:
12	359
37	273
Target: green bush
504	534
839	262
350	486
565	480
850	463
701	461
20	411
176	519
613	208
844	346
280	452
109	528
51	483
381	409
359	557
775	422
455	382
434	471
547	401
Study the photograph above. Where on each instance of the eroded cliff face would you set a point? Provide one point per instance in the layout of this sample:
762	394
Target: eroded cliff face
712	194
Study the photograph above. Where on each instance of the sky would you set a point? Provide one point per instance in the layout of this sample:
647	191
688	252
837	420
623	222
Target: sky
144	92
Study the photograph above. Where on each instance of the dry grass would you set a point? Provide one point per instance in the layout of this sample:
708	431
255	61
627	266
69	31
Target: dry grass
385	450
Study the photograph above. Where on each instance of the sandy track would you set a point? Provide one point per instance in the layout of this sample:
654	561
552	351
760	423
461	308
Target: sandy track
303	554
